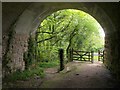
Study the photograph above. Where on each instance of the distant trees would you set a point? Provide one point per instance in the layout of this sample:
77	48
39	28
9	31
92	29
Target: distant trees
67	29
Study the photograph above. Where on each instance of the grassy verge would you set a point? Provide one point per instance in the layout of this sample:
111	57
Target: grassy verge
35	69
24	75
49	64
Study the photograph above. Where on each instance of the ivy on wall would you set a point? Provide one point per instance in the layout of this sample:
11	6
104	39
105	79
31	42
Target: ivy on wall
30	55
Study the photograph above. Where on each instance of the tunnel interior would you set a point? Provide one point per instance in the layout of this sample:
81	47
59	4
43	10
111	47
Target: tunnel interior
26	17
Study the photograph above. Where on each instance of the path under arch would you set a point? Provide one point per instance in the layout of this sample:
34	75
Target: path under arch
75	75
80	75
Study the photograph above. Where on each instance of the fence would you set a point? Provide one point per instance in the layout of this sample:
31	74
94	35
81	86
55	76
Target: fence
82	55
101	55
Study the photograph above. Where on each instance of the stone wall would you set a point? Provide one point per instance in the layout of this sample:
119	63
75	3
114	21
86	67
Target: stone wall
112	38
112	54
17	47
10	14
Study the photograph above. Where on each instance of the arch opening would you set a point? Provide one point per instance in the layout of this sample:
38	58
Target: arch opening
66	29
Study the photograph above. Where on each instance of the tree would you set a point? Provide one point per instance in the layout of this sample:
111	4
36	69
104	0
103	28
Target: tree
67	29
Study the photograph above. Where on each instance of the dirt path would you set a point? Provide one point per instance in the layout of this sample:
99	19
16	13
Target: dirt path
79	75
75	75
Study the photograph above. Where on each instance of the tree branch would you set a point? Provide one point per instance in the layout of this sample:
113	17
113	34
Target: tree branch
46	39
45	32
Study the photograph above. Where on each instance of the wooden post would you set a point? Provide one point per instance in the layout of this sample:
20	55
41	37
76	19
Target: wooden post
98	55
61	56
71	54
89	56
92	56
103	56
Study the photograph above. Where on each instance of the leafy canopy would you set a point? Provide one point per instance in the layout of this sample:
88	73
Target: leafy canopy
68	29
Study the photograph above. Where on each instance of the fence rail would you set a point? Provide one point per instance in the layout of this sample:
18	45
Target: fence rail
101	56
85	55
82	55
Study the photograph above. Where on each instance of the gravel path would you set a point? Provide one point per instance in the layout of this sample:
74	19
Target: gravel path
80	75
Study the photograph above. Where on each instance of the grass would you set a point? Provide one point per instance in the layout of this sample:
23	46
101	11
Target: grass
35	69
24	75
96	58
49	64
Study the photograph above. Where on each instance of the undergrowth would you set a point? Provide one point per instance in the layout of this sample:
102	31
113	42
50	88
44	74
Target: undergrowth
49	64
35	70
24	75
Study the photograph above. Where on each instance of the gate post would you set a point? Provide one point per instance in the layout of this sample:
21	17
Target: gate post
92	56
61	56
89	56
103	56
98	55
71	54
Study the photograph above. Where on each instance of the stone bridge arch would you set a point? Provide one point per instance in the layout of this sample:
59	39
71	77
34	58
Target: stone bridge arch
37	12
29	18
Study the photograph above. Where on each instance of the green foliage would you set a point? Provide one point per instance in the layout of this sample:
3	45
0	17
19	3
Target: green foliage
96	58
49	64
24	75
67	29
29	56
31	50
